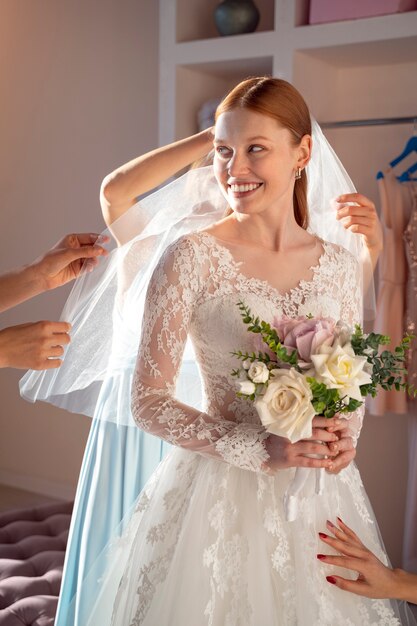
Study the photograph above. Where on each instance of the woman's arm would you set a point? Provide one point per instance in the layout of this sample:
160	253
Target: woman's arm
59	265
375	579
121	188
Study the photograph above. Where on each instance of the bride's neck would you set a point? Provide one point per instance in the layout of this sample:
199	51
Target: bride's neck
272	232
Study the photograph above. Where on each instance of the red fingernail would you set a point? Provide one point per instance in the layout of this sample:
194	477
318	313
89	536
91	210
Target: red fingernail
340	520
321	556
323	535
331	579
330	524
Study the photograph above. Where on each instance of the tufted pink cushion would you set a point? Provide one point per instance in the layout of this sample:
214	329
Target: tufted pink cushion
32	550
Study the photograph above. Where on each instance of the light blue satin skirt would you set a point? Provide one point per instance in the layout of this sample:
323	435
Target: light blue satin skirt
117	463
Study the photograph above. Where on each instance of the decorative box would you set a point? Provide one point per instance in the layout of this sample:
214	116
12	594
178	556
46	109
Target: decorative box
322	11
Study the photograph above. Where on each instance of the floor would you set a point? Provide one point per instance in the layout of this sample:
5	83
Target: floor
11	498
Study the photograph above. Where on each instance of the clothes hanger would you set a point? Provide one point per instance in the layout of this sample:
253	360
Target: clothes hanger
410	147
406	176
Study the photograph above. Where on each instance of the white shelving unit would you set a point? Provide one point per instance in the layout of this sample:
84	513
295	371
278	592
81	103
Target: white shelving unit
196	63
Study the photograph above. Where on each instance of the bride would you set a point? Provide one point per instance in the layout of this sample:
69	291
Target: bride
207	541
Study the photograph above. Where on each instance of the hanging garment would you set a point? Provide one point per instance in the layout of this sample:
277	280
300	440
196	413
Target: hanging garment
410	239
390	309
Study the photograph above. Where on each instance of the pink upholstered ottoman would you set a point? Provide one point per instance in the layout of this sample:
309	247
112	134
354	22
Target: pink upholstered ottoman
32	550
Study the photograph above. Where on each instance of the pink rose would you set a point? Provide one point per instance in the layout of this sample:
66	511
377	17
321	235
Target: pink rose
305	335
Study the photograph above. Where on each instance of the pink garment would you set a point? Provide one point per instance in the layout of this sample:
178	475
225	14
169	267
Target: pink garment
410	529
390	308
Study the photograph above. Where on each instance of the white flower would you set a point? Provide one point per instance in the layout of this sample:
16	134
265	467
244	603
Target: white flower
285	408
258	372
338	367
247	387
246	364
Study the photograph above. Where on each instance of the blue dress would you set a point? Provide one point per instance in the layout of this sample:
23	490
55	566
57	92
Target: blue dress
117	463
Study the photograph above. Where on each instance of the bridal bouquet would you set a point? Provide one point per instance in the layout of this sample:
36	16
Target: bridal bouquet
308	366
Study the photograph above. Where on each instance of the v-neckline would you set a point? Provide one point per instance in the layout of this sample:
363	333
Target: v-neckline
286	295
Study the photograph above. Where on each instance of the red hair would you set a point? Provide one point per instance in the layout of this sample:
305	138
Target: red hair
278	99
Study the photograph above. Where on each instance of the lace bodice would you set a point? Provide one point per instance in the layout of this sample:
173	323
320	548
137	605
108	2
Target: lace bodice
194	291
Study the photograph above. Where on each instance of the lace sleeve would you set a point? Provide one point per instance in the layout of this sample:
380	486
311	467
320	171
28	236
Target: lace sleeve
172	295
351	314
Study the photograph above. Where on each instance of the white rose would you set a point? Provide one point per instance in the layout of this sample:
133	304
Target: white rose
246	387
338	367
285	408
258	372
246	364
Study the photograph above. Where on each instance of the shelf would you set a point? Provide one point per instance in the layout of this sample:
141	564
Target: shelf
371	53
195	20
253	45
388	30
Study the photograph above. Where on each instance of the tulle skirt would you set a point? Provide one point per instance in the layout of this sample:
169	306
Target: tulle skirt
207	543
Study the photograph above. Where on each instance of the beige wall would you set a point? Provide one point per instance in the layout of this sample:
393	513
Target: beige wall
78	84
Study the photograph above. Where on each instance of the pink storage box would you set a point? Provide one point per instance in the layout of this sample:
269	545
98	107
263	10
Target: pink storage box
331	11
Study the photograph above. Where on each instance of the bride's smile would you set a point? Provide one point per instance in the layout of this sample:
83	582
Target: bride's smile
255	160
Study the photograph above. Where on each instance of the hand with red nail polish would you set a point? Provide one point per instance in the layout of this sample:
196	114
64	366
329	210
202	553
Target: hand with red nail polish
375	580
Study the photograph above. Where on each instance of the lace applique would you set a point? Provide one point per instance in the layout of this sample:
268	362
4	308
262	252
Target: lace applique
226	559
350	476
194	291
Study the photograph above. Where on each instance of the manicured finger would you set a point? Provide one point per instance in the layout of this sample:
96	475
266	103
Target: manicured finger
321	434
343	426
341	561
342	546
342	460
349	532
327	422
360	587
342	445
304	461
309	447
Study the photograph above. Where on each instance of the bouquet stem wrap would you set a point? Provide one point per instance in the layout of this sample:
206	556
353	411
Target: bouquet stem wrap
291	496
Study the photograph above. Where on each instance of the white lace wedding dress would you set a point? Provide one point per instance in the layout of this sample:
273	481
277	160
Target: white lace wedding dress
207	543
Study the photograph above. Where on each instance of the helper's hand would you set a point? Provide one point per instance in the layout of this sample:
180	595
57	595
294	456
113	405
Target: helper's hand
375	580
30	346
68	258
362	218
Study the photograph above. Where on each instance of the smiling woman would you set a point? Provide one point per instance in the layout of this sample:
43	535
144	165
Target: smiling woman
270	125
207	540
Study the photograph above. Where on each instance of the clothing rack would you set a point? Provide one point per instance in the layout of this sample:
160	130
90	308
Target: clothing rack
372	122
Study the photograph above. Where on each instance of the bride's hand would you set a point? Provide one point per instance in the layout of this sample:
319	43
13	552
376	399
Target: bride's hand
343	449
284	454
